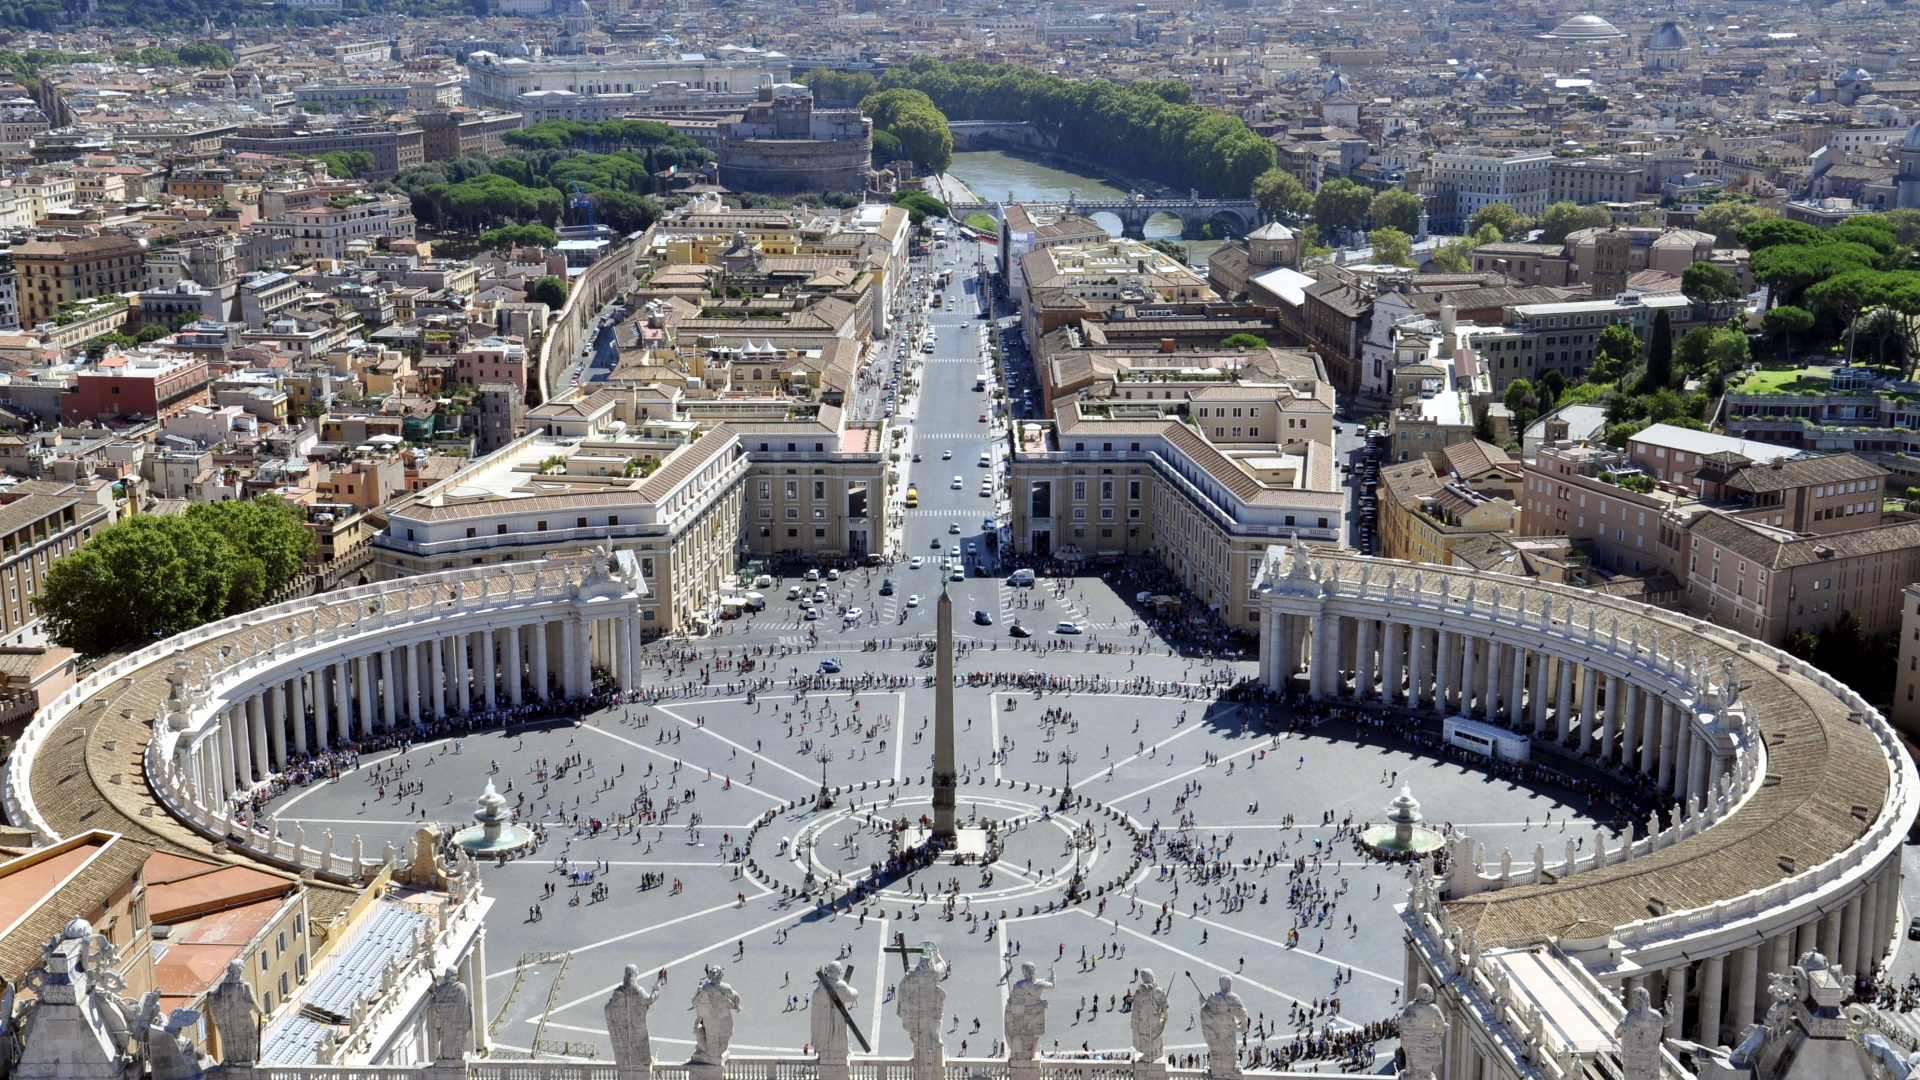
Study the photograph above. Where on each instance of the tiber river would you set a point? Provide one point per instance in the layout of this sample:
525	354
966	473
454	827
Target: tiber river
994	175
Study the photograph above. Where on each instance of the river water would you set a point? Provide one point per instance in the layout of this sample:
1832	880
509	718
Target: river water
995	175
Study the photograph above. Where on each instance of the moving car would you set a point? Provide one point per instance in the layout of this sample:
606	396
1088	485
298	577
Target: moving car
981	618
1068	628
829	667
853	614
1016	630
946	455
957	575
958	483
886	587
914	563
953	528
914	600
935	545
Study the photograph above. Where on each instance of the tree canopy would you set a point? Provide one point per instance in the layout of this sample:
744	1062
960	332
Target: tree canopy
1513	224
1279	193
1725	220
912	117
150	576
1396	209
517	236
1562	218
1391	246
1341	204
1706	283
549	290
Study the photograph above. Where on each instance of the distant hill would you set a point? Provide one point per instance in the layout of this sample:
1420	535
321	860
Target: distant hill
191	15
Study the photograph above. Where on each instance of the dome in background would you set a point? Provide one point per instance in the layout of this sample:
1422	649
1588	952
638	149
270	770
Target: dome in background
1586	28
1668	36
1336	84
1912	141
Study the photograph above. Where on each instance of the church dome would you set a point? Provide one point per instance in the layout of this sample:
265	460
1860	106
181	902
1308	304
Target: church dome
1854	75
1586	28
1912	141
1336	84
1668	36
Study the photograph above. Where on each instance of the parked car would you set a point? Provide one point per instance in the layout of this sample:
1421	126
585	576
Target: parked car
1068	628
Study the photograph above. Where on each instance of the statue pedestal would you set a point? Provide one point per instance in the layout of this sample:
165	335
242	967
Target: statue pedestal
1150	1070
706	1070
832	1070
930	1066
1223	1070
1023	1069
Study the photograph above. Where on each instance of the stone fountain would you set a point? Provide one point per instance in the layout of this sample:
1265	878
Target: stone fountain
494	835
1403	833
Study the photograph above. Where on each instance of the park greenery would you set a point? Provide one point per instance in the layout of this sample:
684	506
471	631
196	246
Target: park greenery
549	290
919	206
910	118
1149	129
154	575
191	15
193	54
512	236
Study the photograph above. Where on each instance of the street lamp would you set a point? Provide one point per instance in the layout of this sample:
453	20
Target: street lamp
1067	758
824	800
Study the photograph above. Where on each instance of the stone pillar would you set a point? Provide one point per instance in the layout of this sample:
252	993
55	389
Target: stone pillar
342	702
1445	670
233	753
459	674
1517	687
516	667
1588	703
299	717
277	723
1830	935
1889	924
1780	957
1563	701
1366	659
539	661
569	655
1850	936
436	678
1542	691
390	689
1741	1001
1418	668
1676	1000
1702	771
1610	722
1496	679
257	736
1650	733
363	678
623	634
412	677
488	695
1670	744
1806	938
322	717
1712	972
1630	728
1470	700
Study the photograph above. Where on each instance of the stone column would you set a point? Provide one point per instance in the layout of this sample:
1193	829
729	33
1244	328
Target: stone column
363	674
1444	671
1649	733
233	739
342	702
1676	999
1542	692
1498	699
299	717
1563	701
516	667
1780	953
1670	724
1712	971
488	695
459	674
1867	954
390	689
1890	877
1740	1002
1417	668
1517	687
1702	773
436	679
1589	703
1850	936
1366	659
1630	727
1610	717
1470	700
277	723
410	677
540	661
1830	934
257	736
623	635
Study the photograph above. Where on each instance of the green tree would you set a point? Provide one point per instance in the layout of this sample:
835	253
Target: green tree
920	206
1513	224
1659	351
1453	256
1243	341
1552	385
1616	351
1562	218
920	126
549	290
1391	246
1280	194
1790	268
1706	283
1487	234
516	236
1906	226
1341	204
205	54
138	580
1784	322
270	541
1725	220
1772	232
1396	209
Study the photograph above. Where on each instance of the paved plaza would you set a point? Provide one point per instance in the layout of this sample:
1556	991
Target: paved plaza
1198	783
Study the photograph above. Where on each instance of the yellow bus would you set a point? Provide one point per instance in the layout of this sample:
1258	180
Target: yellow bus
913	497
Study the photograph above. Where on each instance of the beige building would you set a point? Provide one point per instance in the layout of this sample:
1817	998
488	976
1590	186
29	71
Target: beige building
1768	582
54	272
1424	517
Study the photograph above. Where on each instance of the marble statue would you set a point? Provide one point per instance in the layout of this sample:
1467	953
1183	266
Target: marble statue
235	1011
920	1002
714	1004
1026	1016
1149	1018
1423	1035
1223	1016
827	1013
1640	1033
450	1019
170	1051
627	1024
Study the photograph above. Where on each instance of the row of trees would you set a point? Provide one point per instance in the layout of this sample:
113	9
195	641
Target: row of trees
1151	129
194	54
533	187
910	118
150	576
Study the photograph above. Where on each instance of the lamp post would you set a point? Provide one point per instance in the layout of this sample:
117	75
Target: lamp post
1067	758
824	800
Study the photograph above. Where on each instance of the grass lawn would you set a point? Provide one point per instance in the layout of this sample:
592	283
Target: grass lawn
984	222
1794	380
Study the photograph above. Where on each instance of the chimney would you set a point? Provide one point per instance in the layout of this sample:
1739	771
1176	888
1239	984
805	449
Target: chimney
1167	345
1449	341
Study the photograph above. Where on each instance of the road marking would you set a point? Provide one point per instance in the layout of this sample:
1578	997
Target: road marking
792	917
721	738
702	913
743	785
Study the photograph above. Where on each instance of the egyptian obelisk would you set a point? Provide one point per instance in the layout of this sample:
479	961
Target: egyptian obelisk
944	779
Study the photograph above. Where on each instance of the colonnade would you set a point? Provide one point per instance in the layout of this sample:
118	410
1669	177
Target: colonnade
1623	721
344	696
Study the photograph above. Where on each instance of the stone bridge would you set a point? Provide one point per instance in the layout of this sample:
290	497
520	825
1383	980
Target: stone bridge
1235	217
999	135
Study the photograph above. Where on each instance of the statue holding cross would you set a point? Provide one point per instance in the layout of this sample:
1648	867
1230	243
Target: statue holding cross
920	1003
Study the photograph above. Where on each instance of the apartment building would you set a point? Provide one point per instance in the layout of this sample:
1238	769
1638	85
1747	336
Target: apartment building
1602	179
326	231
1476	176
1424	516
146	383
1607	506
1028	227
54	272
1768	581
40	521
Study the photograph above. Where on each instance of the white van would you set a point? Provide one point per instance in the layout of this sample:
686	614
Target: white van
1021	578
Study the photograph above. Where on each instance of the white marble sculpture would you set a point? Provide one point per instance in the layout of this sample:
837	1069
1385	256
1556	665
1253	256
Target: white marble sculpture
1149	1018
235	1011
714	1004
1026	1016
627	1025
1423	1035
450	1019
832	1000
1223	1016
920	1002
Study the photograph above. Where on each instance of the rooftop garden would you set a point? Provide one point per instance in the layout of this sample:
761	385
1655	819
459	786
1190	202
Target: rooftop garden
1794	379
